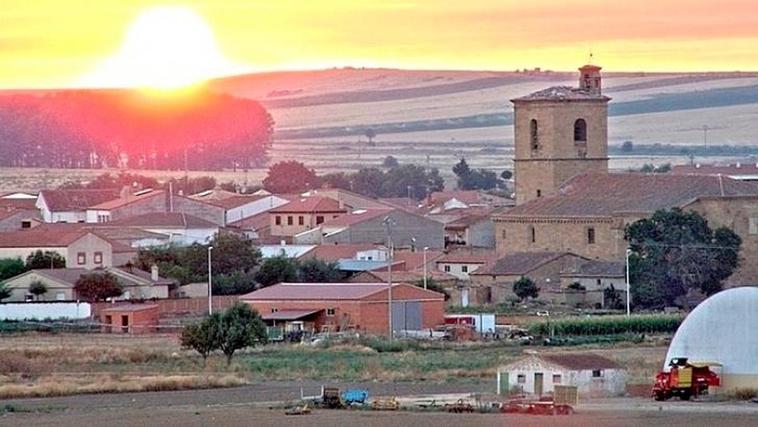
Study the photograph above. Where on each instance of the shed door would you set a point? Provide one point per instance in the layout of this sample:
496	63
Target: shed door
406	316
538	383
464	297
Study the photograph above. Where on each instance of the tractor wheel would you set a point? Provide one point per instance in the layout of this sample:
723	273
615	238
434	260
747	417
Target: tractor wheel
685	395
660	396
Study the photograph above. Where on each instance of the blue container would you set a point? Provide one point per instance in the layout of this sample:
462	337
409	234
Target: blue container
354	396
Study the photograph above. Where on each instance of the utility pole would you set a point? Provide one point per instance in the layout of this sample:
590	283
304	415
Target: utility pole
705	136
426	248
388	224
628	299
210	282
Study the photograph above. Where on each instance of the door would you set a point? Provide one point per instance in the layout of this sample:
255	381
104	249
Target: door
538	383
464	297
124	323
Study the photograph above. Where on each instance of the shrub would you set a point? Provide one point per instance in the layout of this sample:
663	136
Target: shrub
745	393
607	325
525	288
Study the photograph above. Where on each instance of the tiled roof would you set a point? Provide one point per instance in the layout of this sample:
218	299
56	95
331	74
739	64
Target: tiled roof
334	253
316	291
124	308
562	93
466	196
580	361
289	314
410	276
469	220
356	217
596	268
18	204
310	205
76	200
231	202
71	275
255	222
65	275
163	219
609	194
415	260
468	256
124	201
519	263
40	238
730	169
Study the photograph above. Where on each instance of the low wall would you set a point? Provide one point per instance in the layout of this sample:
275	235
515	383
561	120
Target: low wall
44	310
178	306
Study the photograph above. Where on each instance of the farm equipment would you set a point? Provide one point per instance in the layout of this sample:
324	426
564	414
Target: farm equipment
533	407
459	407
330	398
298	410
685	379
390	404
354	397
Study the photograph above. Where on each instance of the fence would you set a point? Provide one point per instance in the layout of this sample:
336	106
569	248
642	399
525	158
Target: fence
45	310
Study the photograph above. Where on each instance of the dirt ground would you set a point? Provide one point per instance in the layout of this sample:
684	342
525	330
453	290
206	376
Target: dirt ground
238	407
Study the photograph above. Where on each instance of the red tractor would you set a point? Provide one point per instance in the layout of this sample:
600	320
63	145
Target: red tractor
685	379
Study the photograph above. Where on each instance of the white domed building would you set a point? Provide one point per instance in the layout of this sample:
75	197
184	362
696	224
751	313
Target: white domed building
724	329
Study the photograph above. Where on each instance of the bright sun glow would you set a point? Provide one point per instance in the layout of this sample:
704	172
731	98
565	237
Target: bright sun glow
166	47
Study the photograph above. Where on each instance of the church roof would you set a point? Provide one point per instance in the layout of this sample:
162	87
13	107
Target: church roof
603	195
562	93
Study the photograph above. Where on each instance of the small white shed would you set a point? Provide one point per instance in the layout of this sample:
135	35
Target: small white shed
538	374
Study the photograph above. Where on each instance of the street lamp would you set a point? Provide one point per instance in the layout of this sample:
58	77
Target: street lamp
210	282
388	221
426	248
628	306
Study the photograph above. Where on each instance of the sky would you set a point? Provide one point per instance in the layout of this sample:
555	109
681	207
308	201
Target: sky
70	43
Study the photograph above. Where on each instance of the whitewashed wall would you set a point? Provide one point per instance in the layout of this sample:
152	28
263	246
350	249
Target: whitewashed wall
39	311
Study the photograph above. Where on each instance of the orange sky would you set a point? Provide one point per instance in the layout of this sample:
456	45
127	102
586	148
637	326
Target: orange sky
46	43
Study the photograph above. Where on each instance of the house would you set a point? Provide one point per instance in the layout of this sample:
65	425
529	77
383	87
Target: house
80	248
18	200
440	202
461	262
177	228
239	207
476	230
594	277
149	201
493	282
746	170
347	199
256	228
305	213
369	226
15	219
289	251
130	319
71	205
538	374
316	307
60	283
334	253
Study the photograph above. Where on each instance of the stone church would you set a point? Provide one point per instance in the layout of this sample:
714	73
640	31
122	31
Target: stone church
567	201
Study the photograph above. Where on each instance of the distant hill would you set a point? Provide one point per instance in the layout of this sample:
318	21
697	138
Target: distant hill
437	116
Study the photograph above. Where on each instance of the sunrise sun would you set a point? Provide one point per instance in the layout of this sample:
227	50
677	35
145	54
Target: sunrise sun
165	47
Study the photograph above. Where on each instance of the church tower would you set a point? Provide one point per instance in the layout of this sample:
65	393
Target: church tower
560	132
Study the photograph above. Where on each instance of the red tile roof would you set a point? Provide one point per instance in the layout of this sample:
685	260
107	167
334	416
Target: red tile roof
415	260
76	200
356	217
730	169
580	361
40	239
562	93
310	205
335	253
255	222
18	204
231	202
468	256
520	263
132	198
608	194
323	291
163	219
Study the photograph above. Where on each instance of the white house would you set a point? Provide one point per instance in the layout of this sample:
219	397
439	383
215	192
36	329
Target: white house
70	206
180	228
538	374
80	248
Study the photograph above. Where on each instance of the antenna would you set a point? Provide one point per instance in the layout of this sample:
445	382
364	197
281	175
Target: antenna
589	59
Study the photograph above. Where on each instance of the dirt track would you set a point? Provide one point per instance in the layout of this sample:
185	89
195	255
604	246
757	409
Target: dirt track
246	406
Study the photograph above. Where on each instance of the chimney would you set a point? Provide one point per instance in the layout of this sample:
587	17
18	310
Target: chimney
154	273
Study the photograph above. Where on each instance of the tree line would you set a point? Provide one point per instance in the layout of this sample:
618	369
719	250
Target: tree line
119	128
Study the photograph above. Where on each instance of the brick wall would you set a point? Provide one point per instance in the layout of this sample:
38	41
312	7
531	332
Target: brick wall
179	306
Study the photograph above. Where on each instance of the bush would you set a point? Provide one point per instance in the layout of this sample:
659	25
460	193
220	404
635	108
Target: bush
745	393
608	325
525	288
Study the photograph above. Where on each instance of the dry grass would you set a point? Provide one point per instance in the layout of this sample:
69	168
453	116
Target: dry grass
67	385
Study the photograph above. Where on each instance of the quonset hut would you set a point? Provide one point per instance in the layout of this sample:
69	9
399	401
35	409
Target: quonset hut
724	329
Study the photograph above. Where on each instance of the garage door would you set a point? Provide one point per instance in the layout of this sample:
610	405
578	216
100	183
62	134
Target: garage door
406	316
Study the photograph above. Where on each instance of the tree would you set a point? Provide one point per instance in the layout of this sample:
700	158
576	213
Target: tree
11	267
368	181
37	289
390	162
94	287
203	336
470	179
5	292
335	180
612	298
233	253
506	175
277	269
240	327
314	270
290	177
461	168
433	285
674	252
233	284
627	147
525	288
370	134
45	260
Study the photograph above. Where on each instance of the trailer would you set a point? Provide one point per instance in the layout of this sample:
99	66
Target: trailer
685	379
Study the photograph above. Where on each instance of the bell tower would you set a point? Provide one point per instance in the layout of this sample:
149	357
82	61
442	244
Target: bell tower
560	132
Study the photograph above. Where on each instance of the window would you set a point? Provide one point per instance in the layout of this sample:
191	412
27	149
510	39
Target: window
330	311
556	378
503	234
591	235
319	219
532	234
753	225
26	224
290	220
81	258
278	220
599	283
28	297
273	309
464	268
447	268
597	373
539	193
300	220
533	135
98	257
580	131
521	378
60	296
